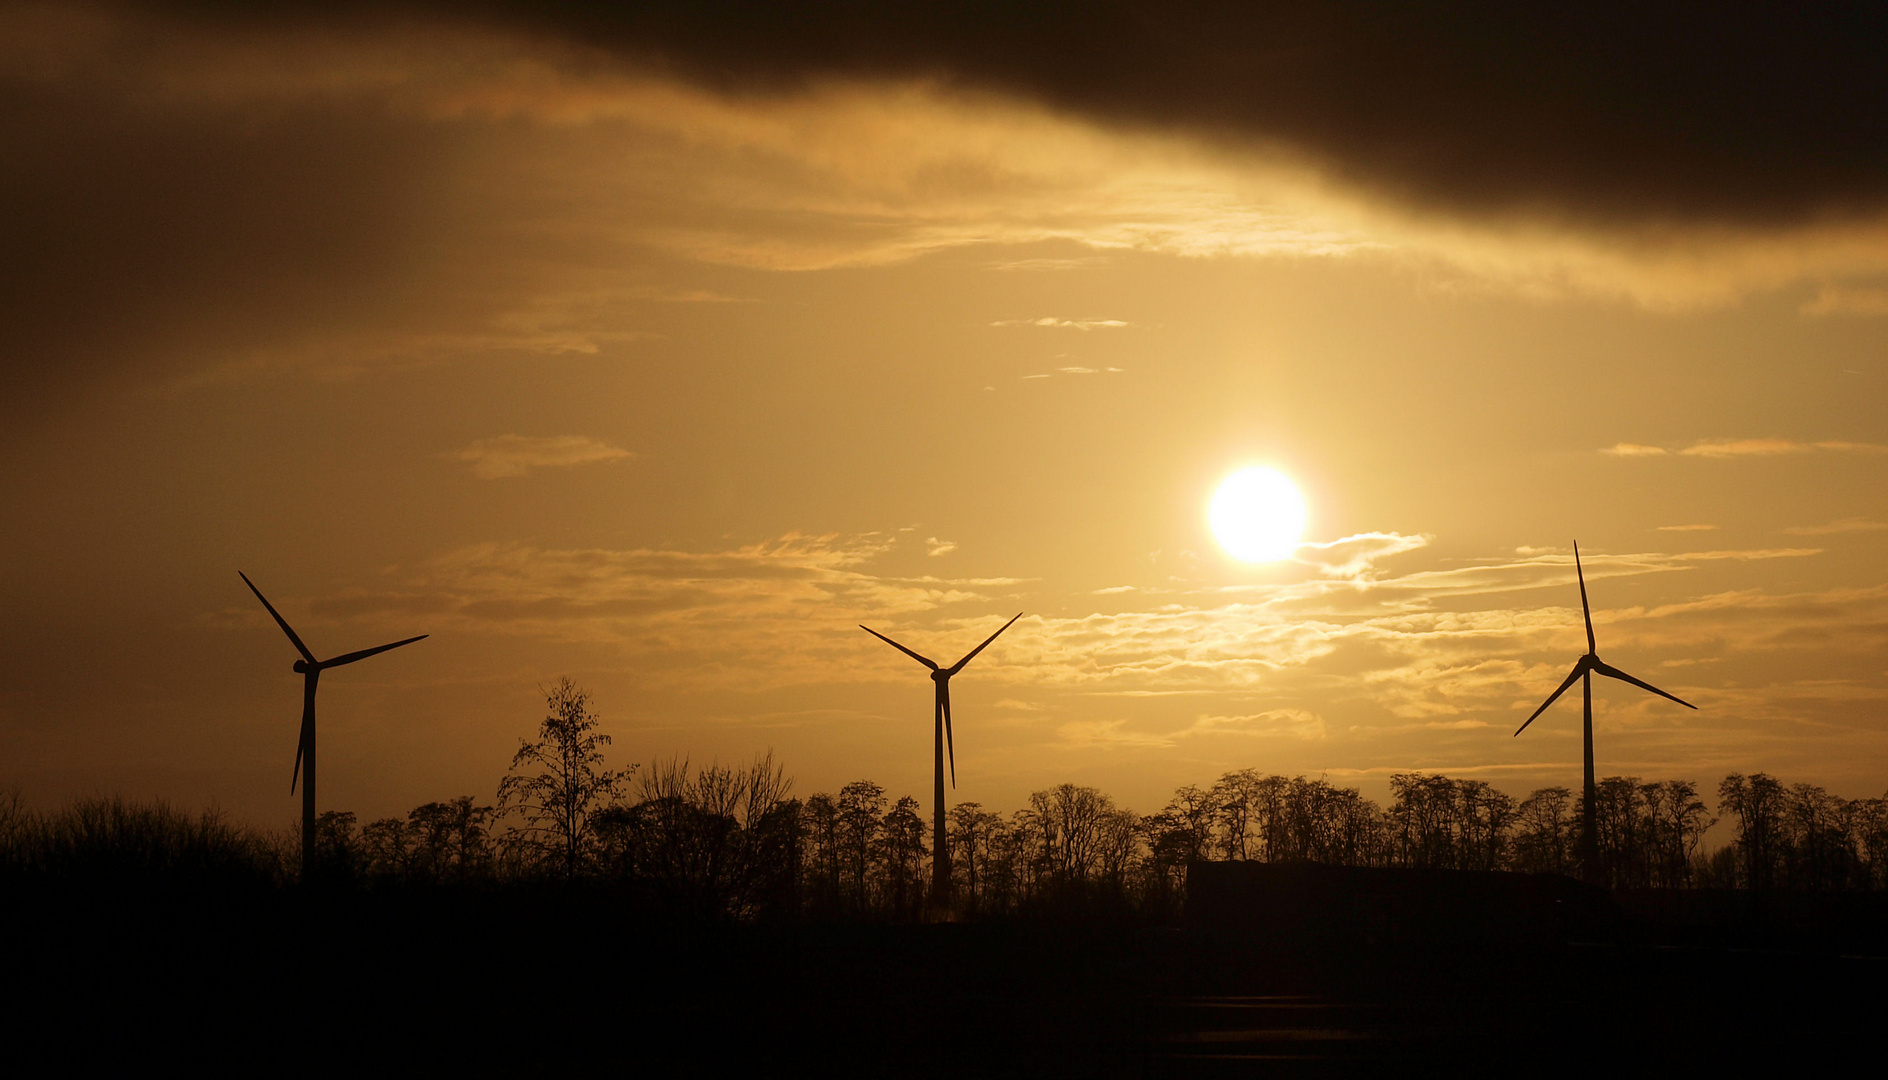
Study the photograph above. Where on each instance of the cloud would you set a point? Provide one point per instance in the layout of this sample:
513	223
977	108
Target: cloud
1437	648
1297	723
1039	265
1596	112
1841	300
1117	734
935	547
243	192
1075	370
1354	558
1075	324
1109	735
517	455
1687	528
1743	448
779	612
1845	525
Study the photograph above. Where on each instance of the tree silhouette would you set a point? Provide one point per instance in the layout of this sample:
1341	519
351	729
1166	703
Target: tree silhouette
903	853
559	804
719	842
336	849
861	816
1544	832
971	830
1758	804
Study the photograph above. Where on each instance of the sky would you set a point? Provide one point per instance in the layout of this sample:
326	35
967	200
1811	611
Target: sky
660	350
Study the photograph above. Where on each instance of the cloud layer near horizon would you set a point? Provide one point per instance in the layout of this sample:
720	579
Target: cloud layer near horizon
1367	643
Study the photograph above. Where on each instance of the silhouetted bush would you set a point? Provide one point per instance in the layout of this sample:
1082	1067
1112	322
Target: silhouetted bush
114	842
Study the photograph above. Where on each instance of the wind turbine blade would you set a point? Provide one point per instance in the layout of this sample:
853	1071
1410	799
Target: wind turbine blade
1579	669
959	666
1612	672
897	646
950	749
279	620
348	658
1585	612
301	744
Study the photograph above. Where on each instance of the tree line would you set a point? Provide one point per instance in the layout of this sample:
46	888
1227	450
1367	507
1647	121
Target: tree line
734	843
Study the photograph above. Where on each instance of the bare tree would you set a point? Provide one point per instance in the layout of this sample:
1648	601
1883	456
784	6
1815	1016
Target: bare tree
1758	803
1871	841
451	840
819	824
1678	820
1822	847
861	816
560	803
386	848
719	842
1234	797
1423	812
902	854
971	830
1544	833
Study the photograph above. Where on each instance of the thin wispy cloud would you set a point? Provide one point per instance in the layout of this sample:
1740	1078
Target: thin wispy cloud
1686	528
1354	558
1847	300
1075	370
1745	448
1041	265
1834	528
517	455
935	547
1294	723
1121	734
1070	324
1109	735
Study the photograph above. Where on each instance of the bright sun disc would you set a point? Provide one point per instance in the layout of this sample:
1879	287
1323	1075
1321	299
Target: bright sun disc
1257	515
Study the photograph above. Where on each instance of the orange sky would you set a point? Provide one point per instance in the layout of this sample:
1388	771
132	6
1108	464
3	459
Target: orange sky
587	366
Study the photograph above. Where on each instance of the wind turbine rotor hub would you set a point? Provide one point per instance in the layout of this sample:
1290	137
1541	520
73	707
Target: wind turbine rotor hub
301	667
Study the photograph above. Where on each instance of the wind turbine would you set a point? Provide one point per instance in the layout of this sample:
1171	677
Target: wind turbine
940	847
311	669
1583	670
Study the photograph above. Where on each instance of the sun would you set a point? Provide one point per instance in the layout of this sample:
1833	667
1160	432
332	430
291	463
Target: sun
1257	515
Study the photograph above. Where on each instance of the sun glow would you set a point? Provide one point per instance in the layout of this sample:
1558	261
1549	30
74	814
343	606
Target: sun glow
1257	515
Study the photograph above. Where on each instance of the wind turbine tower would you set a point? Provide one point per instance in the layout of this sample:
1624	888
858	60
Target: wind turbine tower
1583	670
940	846
310	669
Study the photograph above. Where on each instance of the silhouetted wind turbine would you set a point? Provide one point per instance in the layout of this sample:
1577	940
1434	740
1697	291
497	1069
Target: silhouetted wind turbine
940	847
311	669
1583	670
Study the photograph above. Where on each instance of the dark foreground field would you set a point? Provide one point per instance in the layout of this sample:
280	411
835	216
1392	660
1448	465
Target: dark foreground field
540	981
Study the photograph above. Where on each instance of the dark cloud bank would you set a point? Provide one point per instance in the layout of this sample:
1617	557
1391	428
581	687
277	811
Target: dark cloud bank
1606	113
134	232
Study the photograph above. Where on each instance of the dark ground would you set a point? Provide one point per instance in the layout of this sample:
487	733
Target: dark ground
536	982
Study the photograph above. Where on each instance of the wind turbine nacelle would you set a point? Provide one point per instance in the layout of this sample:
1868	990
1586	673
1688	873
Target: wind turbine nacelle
301	667
940	675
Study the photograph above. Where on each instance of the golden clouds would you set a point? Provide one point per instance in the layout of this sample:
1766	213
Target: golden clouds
788	608
1744	448
517	455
